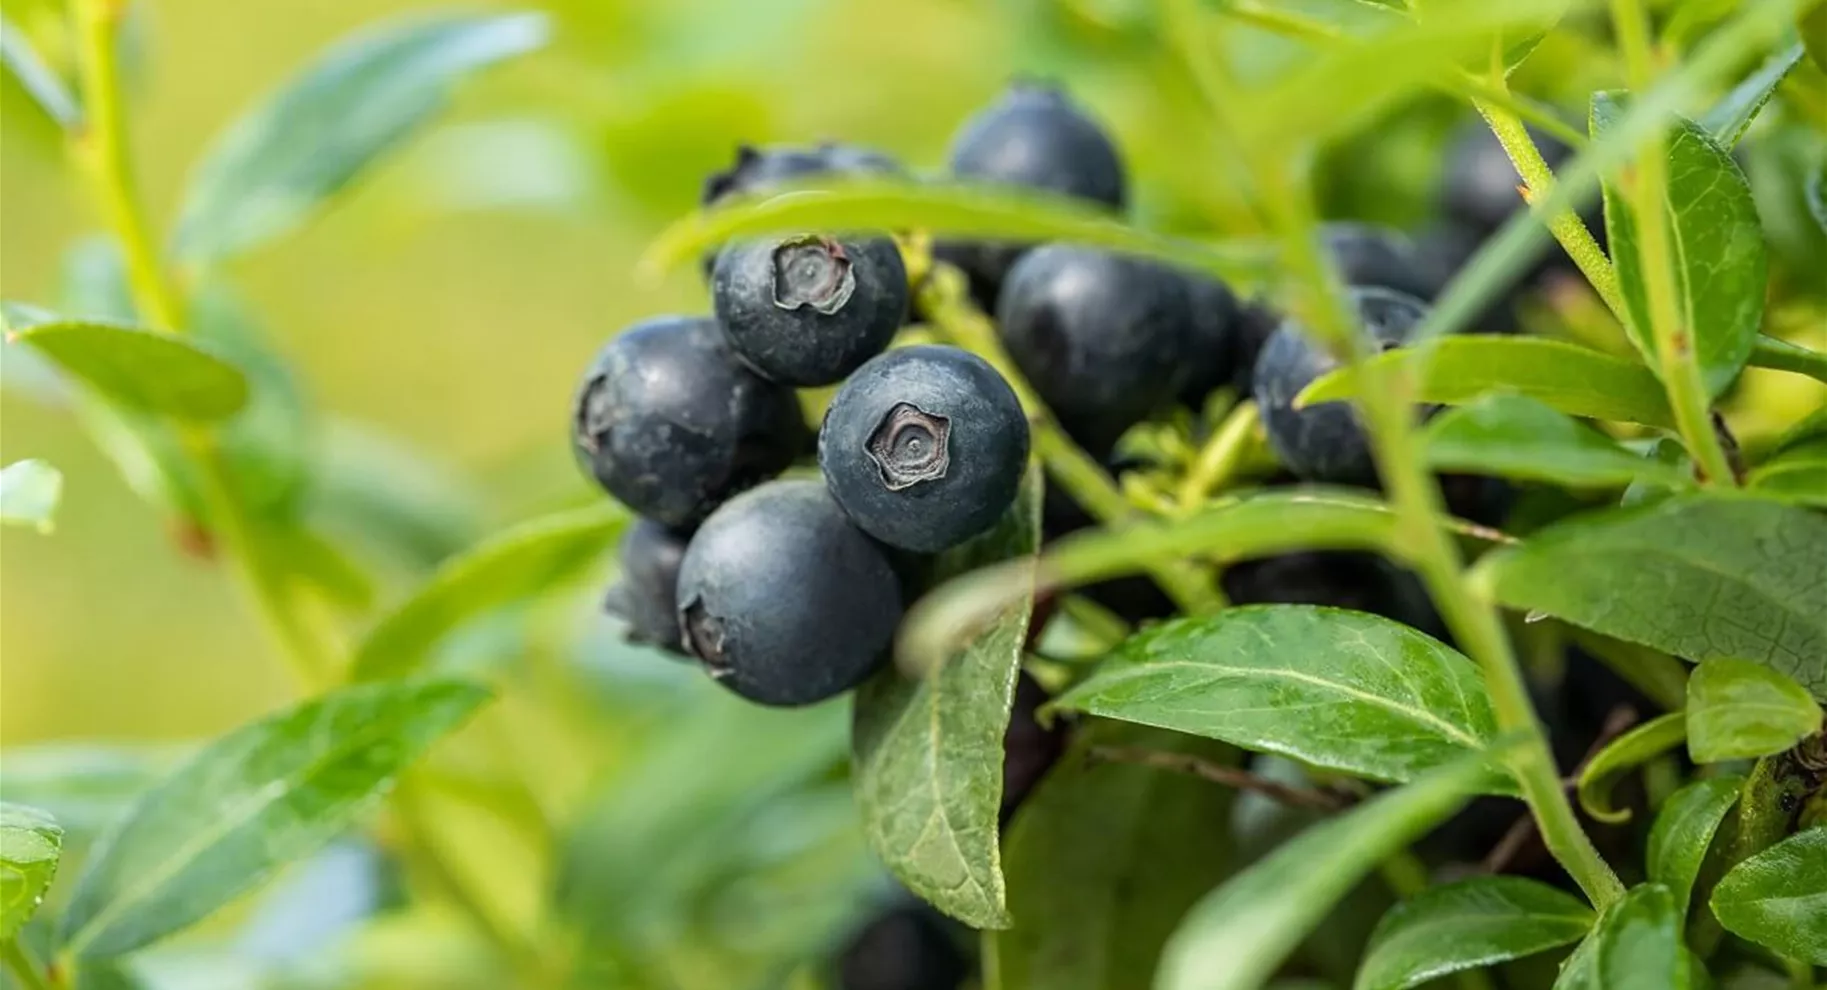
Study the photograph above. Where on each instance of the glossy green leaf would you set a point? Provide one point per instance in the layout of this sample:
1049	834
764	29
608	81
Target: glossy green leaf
1635	946
1341	690
1103	860
250	802
1697	576
1622	755
515	564
1740	710
29	493
1471	924
31	844
1721	262
1240	526
44	86
1778	898
1517	437
1576	380
1732	116
1008	213
1684	830
277	165
1781	355
1239	934
928	748
141	369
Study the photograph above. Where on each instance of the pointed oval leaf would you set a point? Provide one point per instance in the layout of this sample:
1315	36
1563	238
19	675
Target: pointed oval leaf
36	78
1576	380
512	565
1622	755
1239	934
1720	259
1697	576
1778	898
1342	690
928	748
250	802
1517	437
1684	830
1103	860
1635	946
29	492
279	162
1467	925
31	844
1739	710
952	210
142	369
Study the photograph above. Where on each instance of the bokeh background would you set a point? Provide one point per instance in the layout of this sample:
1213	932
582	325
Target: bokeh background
442	310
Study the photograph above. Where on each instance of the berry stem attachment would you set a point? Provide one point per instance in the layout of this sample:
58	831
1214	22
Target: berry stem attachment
943	301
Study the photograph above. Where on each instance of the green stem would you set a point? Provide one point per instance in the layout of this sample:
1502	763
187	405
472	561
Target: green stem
1565	225
1221	457
12	954
941	298
1647	189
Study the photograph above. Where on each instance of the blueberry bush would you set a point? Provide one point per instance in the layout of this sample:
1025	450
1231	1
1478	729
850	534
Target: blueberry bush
1339	544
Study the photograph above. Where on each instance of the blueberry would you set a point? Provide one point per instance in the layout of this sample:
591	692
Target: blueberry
1257	321
1369	255
1029	749
1325	442
924	447
809	310
784	601
761	170
1034	136
1104	338
646	596
669	422
1215	318
907	947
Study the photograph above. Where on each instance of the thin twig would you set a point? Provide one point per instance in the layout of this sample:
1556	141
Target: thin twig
1243	780
1617	721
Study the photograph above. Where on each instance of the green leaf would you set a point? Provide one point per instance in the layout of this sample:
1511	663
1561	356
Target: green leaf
142	369
1103	860
1635	946
1576	380
1240	526
85	786
1720	259
31	844
1732	116
1622	755
928	749
29	492
1739	710
1781	355
1239	934
1345	691
1778	898
952	210
36	78
514	564
1684	830
1516	437
1799	480
1468	925
270	171
1697	576
250	802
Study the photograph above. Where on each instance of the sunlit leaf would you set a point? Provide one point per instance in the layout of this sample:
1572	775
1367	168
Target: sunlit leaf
251	802
29	493
1739	710
1515	437
141	369
1684	830
1732	116
31	844
1474	923
1778	898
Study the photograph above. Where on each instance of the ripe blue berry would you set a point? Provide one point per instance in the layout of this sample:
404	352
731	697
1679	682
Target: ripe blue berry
671	424
924	447
1104	338
1325	442
646	595
1369	255
1213	354
1034	136
809	310
782	600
